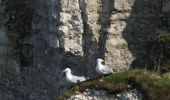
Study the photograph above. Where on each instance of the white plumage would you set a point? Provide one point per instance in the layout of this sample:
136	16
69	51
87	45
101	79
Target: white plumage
103	69
72	78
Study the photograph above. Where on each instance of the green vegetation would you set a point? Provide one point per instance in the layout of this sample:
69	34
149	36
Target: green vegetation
165	37
166	75
157	53
152	85
165	46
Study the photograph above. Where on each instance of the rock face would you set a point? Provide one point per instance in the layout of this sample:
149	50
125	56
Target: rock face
93	94
49	35
72	27
165	15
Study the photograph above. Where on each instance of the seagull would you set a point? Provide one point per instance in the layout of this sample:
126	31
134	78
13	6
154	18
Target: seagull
72	78
103	69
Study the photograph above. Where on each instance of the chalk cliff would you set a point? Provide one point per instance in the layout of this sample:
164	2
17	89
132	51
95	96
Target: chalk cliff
39	38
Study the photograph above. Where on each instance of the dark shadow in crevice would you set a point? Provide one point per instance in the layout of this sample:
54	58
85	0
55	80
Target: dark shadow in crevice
81	63
140	28
105	21
92	50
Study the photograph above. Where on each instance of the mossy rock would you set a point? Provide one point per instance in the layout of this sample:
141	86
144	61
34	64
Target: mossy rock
164	43
166	63
152	85
157	52
165	66
166	75
165	47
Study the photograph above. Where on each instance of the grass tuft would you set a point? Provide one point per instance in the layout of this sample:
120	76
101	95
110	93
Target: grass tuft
152	85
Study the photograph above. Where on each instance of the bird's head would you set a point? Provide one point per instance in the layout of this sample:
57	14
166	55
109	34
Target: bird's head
99	60
67	70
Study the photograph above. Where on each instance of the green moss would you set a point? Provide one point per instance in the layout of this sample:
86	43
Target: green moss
166	75
158	50
154	89
152	85
165	37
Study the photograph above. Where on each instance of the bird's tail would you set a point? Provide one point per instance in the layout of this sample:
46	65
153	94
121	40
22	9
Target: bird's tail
87	78
114	70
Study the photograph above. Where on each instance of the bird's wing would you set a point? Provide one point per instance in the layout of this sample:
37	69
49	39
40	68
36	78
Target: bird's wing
107	69
78	78
114	69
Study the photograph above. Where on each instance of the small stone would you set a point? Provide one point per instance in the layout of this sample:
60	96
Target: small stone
103	93
97	93
95	98
89	98
86	90
88	93
85	93
118	95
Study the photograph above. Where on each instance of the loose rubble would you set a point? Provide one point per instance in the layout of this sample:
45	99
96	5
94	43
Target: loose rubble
92	94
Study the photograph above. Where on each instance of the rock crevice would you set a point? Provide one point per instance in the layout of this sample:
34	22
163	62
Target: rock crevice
50	35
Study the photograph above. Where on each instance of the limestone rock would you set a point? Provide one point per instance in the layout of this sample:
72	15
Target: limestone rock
166	8
132	94
54	34
72	28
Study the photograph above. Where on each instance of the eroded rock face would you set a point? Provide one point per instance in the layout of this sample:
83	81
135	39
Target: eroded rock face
50	35
72	27
92	94
165	16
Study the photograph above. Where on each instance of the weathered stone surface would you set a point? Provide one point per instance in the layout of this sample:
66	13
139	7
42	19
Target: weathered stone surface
53	34
123	5
72	26
93	94
166	7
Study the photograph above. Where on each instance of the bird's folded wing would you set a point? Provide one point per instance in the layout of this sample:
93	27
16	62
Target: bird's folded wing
78	78
114	69
106	69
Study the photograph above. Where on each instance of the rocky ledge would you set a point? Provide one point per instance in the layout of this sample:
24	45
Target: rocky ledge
127	85
93	94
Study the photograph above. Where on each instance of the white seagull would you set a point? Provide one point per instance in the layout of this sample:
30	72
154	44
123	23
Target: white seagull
103	69
72	78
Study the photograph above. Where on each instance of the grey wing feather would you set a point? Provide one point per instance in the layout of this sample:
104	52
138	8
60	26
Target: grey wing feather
107	69
78	78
